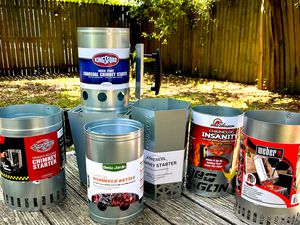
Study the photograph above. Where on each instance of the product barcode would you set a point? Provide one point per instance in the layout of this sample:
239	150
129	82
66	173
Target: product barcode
295	199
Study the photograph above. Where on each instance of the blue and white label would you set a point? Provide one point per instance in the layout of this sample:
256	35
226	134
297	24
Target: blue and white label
108	66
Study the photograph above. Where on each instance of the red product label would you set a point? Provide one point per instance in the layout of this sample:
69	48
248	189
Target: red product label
42	155
2	138
268	173
105	59
32	158
211	148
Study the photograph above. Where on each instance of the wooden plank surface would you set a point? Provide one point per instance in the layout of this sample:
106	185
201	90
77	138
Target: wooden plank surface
188	209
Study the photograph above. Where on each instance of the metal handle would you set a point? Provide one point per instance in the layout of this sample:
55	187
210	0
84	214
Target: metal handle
157	72
139	60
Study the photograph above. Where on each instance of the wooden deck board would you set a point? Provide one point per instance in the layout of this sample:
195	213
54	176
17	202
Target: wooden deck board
223	206
189	209
184	211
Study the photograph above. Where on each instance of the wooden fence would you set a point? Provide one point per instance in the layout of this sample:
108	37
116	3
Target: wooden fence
280	45
39	36
249	41
225	48
242	44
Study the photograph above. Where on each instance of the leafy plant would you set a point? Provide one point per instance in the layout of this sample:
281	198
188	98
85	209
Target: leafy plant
166	14
108	2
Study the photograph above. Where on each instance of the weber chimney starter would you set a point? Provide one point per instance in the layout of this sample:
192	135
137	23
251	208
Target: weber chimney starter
268	188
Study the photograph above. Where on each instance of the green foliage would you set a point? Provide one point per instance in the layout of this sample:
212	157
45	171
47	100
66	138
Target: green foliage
165	14
108	2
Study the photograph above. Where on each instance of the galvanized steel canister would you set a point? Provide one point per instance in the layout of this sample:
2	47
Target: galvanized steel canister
32	153
104	68
115	169
268	187
213	149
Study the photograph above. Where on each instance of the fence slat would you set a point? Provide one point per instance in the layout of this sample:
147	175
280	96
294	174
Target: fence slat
39	36
297	44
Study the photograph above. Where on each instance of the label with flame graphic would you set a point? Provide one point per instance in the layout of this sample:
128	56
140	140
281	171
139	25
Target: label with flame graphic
212	140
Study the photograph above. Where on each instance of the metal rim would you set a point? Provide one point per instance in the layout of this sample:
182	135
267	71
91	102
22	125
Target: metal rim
273	126
274	117
32	118
6	112
109	129
102	29
161	104
222	111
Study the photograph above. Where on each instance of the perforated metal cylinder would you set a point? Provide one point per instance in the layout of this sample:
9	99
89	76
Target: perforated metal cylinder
213	149
32	156
267	190
103	54
115	169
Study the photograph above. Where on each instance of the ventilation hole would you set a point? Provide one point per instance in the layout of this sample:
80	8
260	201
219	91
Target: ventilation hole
101	206
43	200
12	200
102	97
35	203
51	198
261	219
57	195
26	203
7	201
248	215
254	217
19	202
293	219
124	208
276	220
239	209
140	200
243	212
121	96
85	95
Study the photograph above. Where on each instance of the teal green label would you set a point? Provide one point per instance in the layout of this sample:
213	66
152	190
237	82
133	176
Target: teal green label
114	167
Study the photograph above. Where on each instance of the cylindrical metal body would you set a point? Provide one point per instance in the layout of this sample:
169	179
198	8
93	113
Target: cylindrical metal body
115	169
268	188
103	54
32	154
212	152
78	118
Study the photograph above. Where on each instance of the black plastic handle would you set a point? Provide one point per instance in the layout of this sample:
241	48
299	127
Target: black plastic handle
157	72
